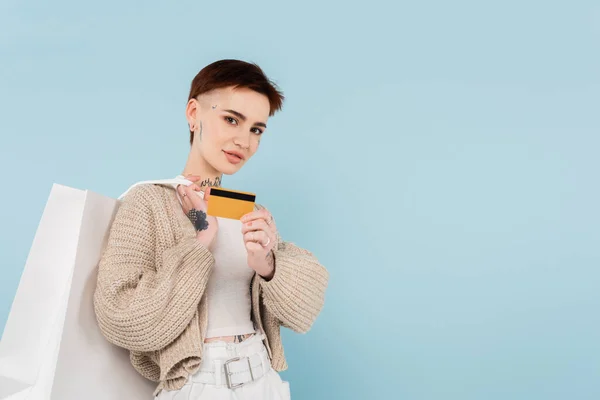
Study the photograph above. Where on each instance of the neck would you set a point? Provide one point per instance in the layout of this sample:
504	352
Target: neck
196	165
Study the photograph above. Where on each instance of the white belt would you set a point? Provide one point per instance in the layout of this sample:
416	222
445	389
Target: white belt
235	372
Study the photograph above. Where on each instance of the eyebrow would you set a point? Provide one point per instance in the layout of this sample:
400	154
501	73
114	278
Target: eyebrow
243	118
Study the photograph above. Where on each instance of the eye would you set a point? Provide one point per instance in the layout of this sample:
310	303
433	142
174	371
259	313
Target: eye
258	131
231	120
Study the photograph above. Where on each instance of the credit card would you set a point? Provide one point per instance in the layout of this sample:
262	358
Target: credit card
227	203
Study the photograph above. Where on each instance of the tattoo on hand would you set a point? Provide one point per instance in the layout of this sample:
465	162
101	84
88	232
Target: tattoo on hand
270	259
198	218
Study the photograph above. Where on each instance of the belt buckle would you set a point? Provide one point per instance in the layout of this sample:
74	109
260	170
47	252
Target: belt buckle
228	373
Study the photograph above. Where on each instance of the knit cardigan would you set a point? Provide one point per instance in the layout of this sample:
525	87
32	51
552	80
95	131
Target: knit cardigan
150	293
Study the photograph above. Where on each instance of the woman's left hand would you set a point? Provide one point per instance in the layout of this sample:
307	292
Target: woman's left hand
260	235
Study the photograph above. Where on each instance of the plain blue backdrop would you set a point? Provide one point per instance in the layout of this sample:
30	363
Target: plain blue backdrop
440	158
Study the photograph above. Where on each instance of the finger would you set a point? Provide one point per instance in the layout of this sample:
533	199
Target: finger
189	190
254	247
183	196
260	214
207	193
195	188
191	199
256	225
259	237
195	200
272	224
266	240
267	216
250	216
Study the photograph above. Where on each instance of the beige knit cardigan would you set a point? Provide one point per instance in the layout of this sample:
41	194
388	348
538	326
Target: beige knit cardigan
150	294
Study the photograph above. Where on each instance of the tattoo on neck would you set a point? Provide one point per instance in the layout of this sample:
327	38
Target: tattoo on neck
208	182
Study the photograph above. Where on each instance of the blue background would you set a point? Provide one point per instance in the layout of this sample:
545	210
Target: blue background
440	158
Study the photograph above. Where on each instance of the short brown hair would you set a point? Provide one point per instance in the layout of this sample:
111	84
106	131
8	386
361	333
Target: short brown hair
239	74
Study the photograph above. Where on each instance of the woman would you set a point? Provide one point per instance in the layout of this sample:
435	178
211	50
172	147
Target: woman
198	300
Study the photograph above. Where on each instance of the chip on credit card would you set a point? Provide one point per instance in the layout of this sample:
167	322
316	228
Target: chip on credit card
227	203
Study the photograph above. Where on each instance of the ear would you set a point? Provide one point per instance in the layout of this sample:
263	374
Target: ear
191	109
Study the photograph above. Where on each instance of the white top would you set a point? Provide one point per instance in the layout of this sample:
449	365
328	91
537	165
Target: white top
228	290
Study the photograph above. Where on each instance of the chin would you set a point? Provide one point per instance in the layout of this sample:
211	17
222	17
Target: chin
230	169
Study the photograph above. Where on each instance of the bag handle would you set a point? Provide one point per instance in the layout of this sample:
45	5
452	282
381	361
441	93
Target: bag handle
170	182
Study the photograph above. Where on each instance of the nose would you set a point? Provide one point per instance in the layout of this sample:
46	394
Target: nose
242	140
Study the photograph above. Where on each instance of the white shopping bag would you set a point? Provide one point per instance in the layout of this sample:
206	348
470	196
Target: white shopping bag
52	348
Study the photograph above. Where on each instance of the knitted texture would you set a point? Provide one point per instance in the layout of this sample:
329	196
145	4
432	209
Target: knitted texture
150	294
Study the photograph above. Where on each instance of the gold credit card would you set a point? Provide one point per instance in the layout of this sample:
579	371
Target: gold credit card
227	203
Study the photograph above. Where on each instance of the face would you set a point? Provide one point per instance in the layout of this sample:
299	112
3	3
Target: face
227	121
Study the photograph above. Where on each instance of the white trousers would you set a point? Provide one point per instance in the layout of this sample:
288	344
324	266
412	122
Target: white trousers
269	386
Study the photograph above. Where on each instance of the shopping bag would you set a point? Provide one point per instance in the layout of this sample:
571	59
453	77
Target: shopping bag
52	347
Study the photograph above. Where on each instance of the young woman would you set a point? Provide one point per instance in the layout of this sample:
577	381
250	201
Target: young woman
198	300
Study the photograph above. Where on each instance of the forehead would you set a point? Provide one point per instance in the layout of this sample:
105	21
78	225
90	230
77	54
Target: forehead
252	104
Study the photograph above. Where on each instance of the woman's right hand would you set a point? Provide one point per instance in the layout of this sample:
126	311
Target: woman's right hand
191	200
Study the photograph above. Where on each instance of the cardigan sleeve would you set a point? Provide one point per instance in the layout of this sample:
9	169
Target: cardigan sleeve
296	293
143	301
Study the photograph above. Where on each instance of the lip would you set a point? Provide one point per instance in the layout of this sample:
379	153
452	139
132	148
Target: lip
232	157
235	153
